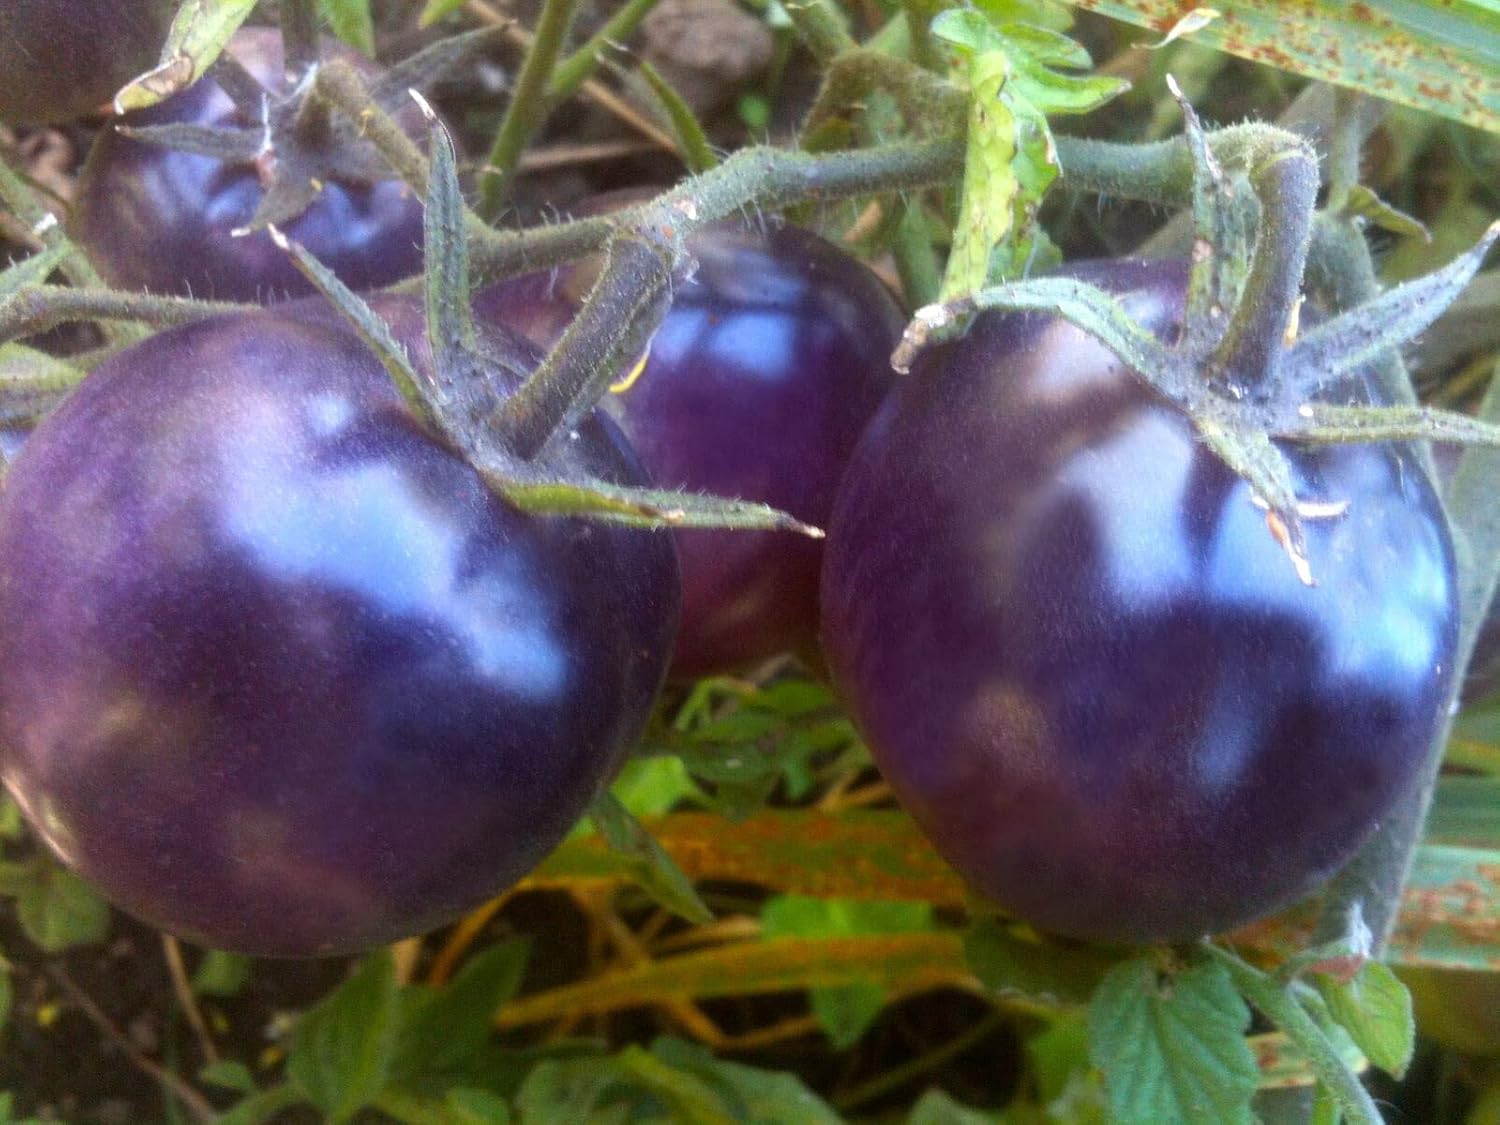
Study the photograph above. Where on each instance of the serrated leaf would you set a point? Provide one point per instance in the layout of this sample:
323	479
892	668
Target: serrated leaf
58	910
221	974
199	32
1172	1047
342	1050
987	206
654	870
1375	1009
351	21
1051	92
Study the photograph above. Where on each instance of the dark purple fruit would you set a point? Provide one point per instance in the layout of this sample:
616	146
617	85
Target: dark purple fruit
277	672
157	218
773	355
1086	666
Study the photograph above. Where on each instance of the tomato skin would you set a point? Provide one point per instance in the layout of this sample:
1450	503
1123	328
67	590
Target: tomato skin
771	359
54	69
281	676
157	218
1087	668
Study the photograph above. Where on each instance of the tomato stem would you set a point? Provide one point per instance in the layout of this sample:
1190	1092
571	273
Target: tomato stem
299	37
40	307
1277	1004
529	104
1261	326
647	246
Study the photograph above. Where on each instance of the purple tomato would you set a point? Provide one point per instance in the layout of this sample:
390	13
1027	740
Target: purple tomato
1084	663
773	355
277	672
153	217
62	61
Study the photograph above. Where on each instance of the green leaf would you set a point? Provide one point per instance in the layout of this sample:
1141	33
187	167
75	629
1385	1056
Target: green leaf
1011	963
342	1049
442	1029
758	1095
847	1011
58	910
653	869
221	974
654	786
198	35
476	1107
640	507
697	153
936	1107
266	1106
1375	1009
12	825
1465	810
351	21
686	1096
32	270
1172	1046
437	10
986	210
1441	58
570	1091
229	1074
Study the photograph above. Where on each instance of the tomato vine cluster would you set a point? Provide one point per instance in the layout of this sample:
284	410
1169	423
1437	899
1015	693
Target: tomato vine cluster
282	672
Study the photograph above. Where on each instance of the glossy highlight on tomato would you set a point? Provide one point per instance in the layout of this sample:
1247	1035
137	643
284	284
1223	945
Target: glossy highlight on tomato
280	675
1086	666
157	218
772	357
63	61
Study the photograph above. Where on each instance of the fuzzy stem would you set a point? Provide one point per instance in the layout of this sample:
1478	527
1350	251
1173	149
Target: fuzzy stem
1286	185
623	309
919	17
22	202
577	68
1277	1004
821	28
529	104
1339	265
299	37
346	90
613	326
1161	173
1373	881
42	307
